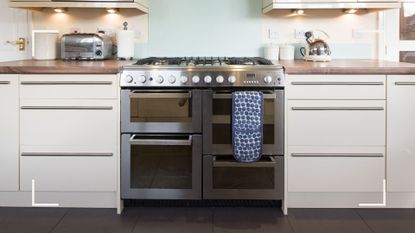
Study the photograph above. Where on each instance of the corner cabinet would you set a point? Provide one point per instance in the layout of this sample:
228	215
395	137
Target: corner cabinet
9	133
401	134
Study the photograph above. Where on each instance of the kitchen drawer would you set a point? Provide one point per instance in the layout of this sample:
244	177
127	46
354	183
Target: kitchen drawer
65	125
336	87
336	169
65	172
336	123
68	87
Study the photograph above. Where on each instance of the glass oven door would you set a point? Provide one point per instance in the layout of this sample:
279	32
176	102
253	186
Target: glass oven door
161	166
166	111
217	120
226	178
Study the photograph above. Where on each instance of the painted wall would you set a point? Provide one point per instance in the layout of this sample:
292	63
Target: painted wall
219	27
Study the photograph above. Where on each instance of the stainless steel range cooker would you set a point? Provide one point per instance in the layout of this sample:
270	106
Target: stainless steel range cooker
176	129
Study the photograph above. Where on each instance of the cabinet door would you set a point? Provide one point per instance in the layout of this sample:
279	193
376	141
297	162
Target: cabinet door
9	129
401	134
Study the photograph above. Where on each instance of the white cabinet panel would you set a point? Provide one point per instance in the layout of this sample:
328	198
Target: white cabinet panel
9	129
336	87
68	86
336	123
336	169
69	173
401	134
64	125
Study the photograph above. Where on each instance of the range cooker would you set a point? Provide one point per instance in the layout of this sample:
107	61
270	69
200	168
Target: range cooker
176	129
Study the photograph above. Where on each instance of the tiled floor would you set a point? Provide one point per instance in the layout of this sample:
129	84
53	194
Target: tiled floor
206	220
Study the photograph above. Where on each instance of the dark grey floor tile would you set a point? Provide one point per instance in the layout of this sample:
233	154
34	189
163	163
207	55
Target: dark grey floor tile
173	220
250	220
29	220
389	220
96	220
327	221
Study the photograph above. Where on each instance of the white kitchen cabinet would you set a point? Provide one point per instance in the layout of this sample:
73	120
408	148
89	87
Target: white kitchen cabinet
69	133
9	130
401	134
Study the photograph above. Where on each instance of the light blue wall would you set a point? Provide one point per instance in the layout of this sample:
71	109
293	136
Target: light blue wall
203	28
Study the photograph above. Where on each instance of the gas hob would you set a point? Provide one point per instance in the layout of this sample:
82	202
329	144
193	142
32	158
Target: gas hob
202	72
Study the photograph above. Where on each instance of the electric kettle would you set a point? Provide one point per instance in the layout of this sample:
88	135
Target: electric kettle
317	48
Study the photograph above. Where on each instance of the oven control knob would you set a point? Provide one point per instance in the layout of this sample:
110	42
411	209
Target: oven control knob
172	79
142	79
208	79
268	79
195	79
232	79
220	79
184	79
128	79
160	79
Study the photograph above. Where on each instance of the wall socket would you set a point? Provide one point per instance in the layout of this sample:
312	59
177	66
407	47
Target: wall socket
300	34
273	34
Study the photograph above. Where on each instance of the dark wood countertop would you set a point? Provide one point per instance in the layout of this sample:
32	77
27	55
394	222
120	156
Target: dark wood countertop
346	66
62	67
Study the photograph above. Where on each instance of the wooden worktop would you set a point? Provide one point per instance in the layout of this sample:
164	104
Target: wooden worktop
62	67
346	66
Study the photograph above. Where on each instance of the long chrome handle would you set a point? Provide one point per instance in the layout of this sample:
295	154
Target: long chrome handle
156	95
66	107
405	83
160	142
337	83
338	108
69	154
66	82
229	96
340	155
271	163
4	82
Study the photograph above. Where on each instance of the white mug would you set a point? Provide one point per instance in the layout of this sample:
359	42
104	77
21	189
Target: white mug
44	44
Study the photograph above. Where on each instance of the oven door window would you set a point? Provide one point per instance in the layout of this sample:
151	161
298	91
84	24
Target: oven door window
161	107
161	163
221	119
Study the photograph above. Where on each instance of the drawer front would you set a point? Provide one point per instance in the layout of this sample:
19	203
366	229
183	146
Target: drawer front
336	87
68	87
9	133
65	125
68	172
336	123
336	169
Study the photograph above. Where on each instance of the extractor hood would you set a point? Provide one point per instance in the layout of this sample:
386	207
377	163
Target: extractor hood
269	5
141	5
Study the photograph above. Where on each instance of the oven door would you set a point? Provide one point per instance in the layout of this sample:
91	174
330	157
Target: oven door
226	178
161	166
166	111
217	120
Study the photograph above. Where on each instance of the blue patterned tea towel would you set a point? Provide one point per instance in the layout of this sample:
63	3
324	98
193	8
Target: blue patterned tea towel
247	124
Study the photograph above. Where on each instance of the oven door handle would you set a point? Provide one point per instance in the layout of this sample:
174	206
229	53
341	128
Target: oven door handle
232	163
229	96
160	142
161	95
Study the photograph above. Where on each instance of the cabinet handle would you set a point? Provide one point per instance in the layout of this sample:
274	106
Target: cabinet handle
66	107
4	82
337	155
405	83
338	108
231	163
160	142
63	154
338	83
66	83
